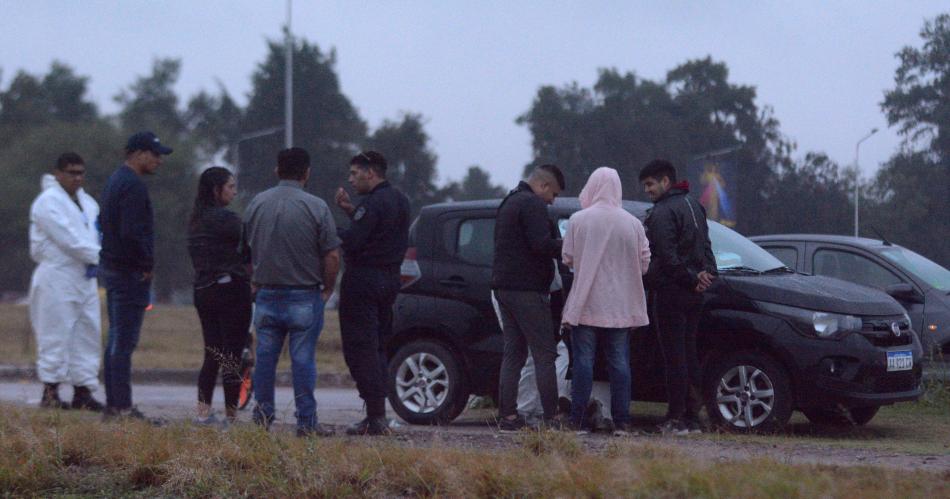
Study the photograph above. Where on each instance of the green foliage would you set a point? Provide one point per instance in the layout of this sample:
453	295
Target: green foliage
476	185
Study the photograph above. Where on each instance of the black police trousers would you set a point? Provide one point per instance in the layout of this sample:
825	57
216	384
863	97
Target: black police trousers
367	296
676	317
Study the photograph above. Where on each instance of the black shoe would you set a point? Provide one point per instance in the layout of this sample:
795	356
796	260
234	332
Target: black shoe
511	425
82	399
563	405
317	430
50	399
131	413
260	419
377	425
693	426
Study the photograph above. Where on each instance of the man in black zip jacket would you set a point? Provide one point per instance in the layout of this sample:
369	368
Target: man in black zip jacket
681	269
525	245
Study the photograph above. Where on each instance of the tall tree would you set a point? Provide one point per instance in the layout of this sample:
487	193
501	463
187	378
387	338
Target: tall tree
325	122
151	103
911	193
412	164
476	185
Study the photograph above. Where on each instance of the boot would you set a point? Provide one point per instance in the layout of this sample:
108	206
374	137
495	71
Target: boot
82	399
50	398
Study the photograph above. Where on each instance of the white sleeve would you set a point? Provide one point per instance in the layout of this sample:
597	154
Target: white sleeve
54	223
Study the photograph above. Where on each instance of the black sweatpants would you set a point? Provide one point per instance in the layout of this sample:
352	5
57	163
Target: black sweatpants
367	296
225	313
675	317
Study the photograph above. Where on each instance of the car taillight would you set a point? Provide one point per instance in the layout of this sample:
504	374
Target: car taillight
409	272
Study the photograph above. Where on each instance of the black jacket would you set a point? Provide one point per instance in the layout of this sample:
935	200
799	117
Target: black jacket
679	241
213	243
378	236
526	243
127	223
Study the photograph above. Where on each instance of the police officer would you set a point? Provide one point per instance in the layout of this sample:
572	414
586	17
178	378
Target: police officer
373	250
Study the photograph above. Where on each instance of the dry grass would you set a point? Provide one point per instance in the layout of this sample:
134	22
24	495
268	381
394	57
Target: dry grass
171	339
56	453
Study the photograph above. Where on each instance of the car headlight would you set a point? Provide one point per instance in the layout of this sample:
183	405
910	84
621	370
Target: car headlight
825	325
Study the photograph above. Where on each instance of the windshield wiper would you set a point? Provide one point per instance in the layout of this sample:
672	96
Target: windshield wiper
740	268
783	269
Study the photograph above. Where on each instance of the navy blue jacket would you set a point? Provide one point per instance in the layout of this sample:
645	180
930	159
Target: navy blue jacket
526	243
379	233
127	223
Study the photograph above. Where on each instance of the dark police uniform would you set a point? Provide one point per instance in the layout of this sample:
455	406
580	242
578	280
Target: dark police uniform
373	249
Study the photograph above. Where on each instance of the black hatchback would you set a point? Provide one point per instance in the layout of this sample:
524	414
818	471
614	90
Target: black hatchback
771	340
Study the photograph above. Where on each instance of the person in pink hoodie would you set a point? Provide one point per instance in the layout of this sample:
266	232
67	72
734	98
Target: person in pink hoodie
607	249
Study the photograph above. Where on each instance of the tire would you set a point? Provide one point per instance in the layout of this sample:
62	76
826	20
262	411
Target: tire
838	418
748	392
426	384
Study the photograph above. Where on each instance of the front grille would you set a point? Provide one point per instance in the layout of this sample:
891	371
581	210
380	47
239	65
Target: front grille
897	382
878	331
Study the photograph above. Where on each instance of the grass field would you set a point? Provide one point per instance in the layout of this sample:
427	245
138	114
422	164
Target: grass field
65	453
171	339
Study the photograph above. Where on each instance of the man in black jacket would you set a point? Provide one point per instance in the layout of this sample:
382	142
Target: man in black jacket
126	260
682	268
526	242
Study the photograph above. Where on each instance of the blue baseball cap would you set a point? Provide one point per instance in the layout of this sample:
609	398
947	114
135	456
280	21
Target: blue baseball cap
146	141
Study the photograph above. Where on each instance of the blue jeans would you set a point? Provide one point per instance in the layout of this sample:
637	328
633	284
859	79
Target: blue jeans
617	349
297	313
127	295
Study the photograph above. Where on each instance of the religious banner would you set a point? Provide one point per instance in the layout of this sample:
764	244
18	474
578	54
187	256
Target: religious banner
713	180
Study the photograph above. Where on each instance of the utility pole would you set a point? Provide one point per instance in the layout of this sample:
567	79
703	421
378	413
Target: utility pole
289	81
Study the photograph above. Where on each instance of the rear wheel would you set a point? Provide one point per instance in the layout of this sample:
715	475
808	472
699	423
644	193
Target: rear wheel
748	392
426	384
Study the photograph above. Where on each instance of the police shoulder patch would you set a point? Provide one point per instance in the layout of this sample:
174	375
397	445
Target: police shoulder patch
359	213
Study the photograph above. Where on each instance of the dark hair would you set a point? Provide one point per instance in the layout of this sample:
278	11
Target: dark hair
370	160
659	168
210	180
556	172
293	163
68	158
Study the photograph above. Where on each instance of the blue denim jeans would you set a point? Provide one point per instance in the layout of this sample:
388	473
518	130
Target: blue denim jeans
584	341
127	295
297	314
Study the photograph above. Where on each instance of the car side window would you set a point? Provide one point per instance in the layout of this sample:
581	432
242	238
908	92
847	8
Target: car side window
787	254
854	268
475	241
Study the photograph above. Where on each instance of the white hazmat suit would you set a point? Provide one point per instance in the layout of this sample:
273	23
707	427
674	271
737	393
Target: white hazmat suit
64	302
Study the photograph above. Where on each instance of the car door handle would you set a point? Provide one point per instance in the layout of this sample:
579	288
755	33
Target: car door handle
454	282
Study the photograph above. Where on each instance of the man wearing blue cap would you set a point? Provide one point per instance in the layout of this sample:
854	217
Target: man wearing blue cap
126	263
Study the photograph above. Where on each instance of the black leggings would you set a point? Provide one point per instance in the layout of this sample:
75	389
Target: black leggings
225	313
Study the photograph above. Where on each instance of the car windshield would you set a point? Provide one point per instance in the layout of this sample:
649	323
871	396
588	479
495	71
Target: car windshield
926	270
734	251
731	249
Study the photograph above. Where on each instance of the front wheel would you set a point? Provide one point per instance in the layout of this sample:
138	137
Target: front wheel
748	392
426	384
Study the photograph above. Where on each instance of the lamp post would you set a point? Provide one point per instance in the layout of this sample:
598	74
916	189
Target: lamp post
248	136
289	82
857	179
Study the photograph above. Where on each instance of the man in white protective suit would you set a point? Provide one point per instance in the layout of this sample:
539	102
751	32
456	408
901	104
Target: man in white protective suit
64	298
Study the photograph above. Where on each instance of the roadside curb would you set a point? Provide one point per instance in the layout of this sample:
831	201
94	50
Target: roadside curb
180	377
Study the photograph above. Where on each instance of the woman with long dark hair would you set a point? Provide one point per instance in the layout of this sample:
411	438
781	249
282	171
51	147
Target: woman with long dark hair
222	289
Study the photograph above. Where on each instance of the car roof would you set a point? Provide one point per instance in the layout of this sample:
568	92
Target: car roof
862	242
565	204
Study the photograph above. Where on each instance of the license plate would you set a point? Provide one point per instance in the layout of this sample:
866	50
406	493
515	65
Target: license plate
900	361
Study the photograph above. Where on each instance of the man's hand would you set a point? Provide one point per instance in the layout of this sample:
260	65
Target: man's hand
146	276
326	294
705	281
344	202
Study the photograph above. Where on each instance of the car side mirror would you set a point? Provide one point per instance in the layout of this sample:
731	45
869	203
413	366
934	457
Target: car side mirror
904	292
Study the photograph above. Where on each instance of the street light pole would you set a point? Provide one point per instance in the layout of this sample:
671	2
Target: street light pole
289	82
857	179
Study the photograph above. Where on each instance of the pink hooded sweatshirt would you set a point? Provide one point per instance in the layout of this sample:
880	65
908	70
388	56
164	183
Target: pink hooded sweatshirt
608	250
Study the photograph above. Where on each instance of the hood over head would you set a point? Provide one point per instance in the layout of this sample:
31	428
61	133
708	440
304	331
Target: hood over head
47	181
603	186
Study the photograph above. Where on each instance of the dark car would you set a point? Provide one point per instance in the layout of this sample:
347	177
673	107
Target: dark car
771	340
920	285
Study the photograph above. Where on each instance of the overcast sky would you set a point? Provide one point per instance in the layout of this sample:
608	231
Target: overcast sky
472	67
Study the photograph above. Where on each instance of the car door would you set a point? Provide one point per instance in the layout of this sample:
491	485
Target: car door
863	268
